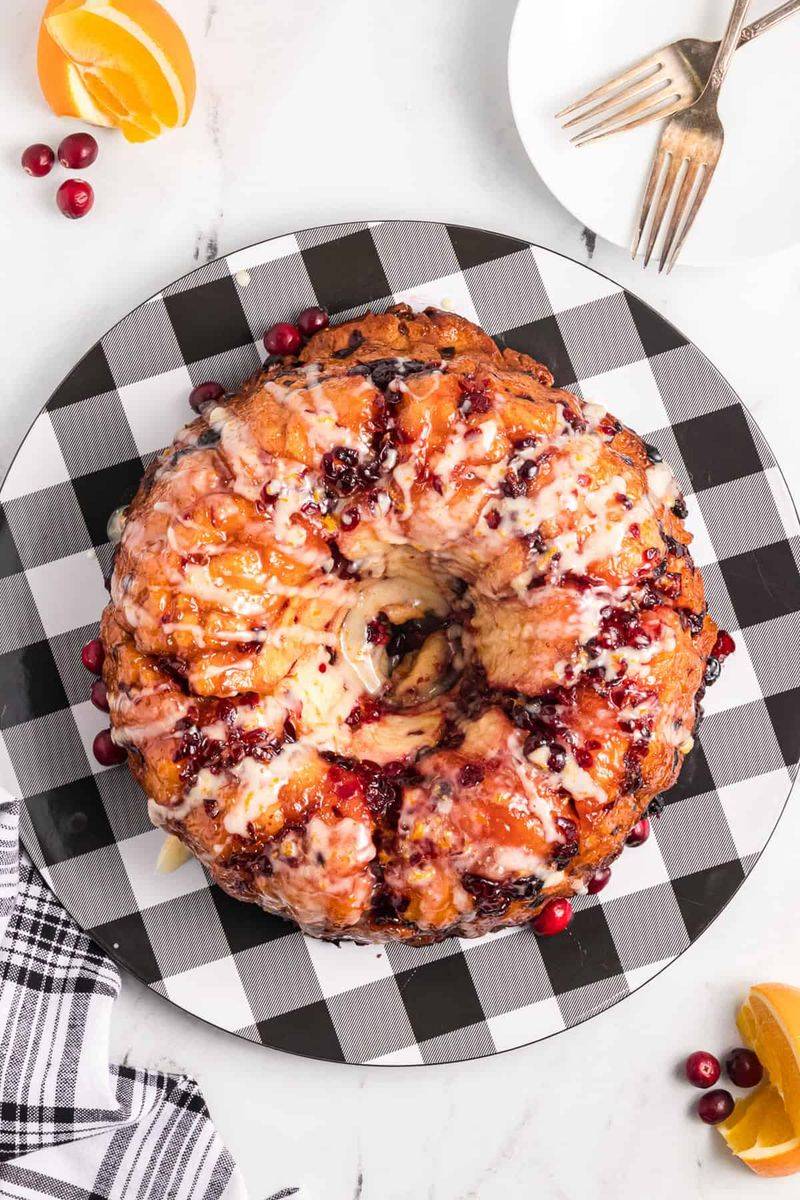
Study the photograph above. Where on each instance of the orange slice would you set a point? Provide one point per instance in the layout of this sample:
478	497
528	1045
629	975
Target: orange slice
125	60
764	1128
760	1133
61	81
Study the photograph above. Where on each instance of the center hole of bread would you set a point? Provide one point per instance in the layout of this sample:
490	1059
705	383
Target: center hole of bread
421	659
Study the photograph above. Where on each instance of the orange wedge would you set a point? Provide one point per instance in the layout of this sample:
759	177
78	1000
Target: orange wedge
61	82
764	1128
116	62
760	1133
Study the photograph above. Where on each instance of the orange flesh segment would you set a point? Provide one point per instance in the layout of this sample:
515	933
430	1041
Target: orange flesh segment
127	61
764	1127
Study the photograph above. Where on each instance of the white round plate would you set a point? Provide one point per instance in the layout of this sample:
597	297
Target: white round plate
559	52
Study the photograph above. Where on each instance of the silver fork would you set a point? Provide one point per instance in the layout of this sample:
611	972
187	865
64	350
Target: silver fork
663	83
693	137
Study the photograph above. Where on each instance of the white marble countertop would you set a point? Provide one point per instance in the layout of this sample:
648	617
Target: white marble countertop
312	112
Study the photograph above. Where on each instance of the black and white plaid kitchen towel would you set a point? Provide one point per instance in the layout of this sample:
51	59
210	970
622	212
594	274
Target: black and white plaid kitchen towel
73	1127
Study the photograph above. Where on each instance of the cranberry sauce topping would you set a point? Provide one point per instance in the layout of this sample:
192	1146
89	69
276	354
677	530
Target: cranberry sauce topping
365	712
384	371
196	750
355	340
379	630
411	635
381	786
570	846
619	627
492	898
470	775
474	396
341	566
341	470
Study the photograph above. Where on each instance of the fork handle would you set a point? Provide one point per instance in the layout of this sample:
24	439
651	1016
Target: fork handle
767	21
727	46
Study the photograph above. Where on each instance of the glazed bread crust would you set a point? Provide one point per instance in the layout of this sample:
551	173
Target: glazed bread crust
402	639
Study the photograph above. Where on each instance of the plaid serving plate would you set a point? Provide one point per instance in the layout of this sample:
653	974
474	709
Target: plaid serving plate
86	827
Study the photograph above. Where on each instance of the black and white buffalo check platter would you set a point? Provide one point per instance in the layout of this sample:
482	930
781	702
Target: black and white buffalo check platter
86	827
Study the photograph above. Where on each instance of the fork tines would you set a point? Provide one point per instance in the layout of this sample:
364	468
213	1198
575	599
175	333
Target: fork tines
675	190
644	92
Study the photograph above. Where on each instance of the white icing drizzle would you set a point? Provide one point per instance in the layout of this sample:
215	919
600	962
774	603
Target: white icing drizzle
591	525
529	776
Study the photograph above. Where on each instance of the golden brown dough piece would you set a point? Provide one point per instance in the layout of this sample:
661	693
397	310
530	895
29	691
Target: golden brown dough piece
403	640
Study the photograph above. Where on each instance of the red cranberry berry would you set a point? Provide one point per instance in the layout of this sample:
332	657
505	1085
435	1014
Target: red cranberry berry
702	1069
312	320
723	646
99	695
639	834
598	881
38	160
75	198
715	1106
93	655
553	918
204	393
283	338
78	150
744	1067
107	752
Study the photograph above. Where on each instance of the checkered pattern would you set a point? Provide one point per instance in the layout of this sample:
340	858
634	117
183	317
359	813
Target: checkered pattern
71	1127
86	827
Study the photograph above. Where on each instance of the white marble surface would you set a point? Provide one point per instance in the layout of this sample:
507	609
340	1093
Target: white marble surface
311	112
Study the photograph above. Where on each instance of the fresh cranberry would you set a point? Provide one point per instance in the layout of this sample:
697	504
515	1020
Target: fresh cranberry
598	881
639	834
744	1067
702	1069
553	918
715	1106
93	656
78	150
312	320
75	198
107	753
283	338
723	646
204	394
38	160
99	695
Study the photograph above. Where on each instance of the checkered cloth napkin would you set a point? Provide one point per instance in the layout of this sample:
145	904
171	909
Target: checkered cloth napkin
71	1126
